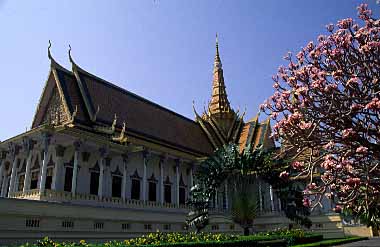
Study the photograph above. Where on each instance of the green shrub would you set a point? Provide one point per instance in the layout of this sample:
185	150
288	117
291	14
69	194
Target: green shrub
332	242
280	238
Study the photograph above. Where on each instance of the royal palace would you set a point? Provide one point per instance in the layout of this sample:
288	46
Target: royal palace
102	163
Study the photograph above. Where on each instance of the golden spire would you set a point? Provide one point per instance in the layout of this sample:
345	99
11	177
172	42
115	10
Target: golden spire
219	105
217	62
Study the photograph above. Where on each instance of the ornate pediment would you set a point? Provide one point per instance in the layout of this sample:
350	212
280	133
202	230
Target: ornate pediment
55	113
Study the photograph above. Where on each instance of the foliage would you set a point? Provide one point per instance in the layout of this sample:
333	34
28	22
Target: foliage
294	236
175	240
281	237
332	242
163	238
244	204
229	164
326	107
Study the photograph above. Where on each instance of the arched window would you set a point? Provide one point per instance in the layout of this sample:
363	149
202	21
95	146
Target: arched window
21	177
117	178
152	181
168	190
49	173
68	175
35	171
136	184
94	179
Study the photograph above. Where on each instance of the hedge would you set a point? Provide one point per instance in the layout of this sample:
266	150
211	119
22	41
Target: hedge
231	243
290	239
332	242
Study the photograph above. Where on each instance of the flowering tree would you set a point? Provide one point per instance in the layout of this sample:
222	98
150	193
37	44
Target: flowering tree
326	108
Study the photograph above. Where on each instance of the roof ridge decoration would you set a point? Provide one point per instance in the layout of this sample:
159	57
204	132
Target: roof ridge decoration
82	88
53	70
109	130
122	138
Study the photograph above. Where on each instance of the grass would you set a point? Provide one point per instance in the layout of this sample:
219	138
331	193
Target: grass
332	242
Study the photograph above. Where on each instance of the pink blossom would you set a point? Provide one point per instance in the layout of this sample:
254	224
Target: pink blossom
274	115
337	209
329	162
284	175
355	107
310	46
306	202
297	165
364	12
374	104
331	87
353	181
348	133
374	44
329	145
330	27
304	125
312	186
362	150
353	81
300	56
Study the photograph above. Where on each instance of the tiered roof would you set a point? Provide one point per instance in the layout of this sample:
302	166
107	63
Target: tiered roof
222	124
91	103
81	100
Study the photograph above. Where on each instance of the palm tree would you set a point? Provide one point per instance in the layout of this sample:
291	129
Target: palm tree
244	204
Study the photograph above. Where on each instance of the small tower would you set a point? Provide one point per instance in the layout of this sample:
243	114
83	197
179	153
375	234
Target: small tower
219	108
220	122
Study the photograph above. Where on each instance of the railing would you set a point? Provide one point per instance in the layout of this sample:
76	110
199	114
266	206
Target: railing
87	199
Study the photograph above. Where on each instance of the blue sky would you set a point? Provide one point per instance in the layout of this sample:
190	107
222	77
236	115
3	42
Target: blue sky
162	50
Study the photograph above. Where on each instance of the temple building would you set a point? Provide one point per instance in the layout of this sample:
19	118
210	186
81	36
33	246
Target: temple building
103	163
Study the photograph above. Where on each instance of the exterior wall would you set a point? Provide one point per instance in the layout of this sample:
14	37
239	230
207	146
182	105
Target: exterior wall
17	215
361	231
328	225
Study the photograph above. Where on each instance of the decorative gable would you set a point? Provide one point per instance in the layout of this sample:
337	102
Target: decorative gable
55	113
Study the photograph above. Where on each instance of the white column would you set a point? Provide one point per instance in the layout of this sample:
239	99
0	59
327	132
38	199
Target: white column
75	173
226	194
58	179
27	172
177	182
162	189
2	169
13	176
46	141
216	199
145	161
101	176
124	182
271	198
191	176
260	197
75	168
4	186
14	152
279	205
28	148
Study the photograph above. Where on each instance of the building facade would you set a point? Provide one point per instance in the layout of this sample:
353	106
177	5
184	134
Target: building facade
101	162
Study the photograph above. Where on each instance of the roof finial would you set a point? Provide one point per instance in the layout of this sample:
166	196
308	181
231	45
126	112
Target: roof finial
49	54
217	63
71	59
217	44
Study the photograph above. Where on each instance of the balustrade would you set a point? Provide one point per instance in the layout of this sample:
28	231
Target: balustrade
63	196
